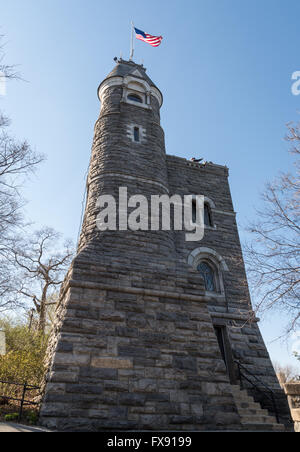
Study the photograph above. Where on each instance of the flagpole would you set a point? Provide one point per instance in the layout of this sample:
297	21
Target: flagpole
132	42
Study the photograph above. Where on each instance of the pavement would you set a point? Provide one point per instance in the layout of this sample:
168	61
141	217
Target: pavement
18	428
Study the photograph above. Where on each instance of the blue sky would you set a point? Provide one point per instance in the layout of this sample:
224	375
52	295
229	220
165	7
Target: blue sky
224	68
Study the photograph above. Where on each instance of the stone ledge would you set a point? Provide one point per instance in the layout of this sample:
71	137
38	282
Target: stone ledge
135	290
152	293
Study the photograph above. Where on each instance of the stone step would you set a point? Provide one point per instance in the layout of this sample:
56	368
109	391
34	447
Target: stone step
248	400
248	405
253	417
257	419
264	427
252	412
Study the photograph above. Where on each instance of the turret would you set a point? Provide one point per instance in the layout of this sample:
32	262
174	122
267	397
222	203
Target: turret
128	151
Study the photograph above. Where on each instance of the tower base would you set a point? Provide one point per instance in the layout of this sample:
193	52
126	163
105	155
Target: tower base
130	353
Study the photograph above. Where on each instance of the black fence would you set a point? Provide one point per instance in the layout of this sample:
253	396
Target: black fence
21	389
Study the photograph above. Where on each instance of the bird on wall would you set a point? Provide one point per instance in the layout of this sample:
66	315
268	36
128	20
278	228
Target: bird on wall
193	159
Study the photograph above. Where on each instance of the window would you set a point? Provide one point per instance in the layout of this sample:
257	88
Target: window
226	351
208	275
207	215
211	266
194	212
135	98
136	134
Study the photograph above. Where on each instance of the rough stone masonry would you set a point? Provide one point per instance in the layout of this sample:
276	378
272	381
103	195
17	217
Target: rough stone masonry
150	327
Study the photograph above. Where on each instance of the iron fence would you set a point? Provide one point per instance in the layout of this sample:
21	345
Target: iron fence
24	389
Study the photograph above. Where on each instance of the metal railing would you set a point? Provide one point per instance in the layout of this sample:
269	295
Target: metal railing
268	392
23	402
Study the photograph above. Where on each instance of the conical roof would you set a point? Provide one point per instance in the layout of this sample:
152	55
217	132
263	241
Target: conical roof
124	68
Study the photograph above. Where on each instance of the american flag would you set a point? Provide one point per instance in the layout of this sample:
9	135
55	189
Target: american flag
154	41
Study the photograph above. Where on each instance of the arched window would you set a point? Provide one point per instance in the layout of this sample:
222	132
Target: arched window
208	275
207	215
136	134
135	98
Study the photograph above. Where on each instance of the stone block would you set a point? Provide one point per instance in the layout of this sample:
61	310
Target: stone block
54	410
111	363
132	399
95	374
140	352
64	347
56	388
84	389
185	363
117	386
145	385
197	410
168	408
64	377
181	420
71	359
112	316
98	414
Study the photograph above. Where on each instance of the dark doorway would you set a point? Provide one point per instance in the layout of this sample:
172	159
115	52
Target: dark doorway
226	352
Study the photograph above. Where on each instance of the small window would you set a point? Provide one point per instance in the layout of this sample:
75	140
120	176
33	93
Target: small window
208	275
135	98
136	134
207	216
194	212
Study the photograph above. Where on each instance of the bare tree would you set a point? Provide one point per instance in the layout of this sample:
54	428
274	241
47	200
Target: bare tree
273	258
42	266
286	374
8	71
17	161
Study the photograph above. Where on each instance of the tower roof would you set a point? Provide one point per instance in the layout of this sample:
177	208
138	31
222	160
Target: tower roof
124	68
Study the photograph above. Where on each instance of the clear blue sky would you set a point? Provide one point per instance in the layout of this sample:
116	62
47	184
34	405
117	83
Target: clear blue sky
224	68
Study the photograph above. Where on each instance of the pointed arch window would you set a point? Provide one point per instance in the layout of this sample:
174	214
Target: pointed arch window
207	215
208	274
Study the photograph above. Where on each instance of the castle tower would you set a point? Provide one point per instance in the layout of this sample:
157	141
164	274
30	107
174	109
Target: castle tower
128	151
150	327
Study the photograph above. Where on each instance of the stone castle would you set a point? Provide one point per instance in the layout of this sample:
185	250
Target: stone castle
153	331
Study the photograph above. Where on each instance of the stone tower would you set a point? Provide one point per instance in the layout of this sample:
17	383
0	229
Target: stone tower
150	327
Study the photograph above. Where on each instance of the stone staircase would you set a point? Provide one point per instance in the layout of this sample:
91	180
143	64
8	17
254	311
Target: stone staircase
253	417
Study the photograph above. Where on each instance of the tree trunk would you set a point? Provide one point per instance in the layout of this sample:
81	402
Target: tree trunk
43	311
42	318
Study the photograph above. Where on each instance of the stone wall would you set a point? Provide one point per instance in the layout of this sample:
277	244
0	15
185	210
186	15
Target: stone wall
292	391
233	308
129	356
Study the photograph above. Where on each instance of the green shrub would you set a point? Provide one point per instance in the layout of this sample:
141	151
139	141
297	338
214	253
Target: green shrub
11	417
32	417
24	360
